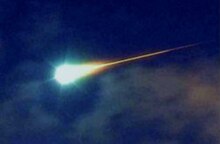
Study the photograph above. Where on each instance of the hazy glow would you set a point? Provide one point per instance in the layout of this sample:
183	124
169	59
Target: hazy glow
67	73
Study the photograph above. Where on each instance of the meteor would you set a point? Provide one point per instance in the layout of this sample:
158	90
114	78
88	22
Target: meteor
69	73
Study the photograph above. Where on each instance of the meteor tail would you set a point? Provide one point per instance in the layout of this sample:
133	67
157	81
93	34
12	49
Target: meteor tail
148	55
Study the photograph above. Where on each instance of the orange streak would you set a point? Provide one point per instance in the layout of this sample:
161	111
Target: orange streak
147	55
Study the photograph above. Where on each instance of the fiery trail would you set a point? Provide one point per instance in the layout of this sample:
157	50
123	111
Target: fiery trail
68	73
147	55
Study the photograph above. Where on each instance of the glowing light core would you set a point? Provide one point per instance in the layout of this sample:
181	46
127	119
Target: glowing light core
67	73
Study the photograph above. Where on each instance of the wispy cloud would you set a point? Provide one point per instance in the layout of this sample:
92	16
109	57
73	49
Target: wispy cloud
171	105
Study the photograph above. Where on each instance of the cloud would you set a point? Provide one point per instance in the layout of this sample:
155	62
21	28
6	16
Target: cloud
23	113
155	105
140	104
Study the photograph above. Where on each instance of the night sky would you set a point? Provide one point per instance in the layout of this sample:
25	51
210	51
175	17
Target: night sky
173	98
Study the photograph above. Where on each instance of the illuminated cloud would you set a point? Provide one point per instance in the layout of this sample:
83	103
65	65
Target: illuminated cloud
166	105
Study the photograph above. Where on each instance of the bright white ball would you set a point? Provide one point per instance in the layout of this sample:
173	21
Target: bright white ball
66	74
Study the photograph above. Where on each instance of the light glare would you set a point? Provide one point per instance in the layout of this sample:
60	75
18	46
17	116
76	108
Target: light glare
67	73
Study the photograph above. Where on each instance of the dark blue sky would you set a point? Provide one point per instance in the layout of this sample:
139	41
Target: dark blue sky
172	98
